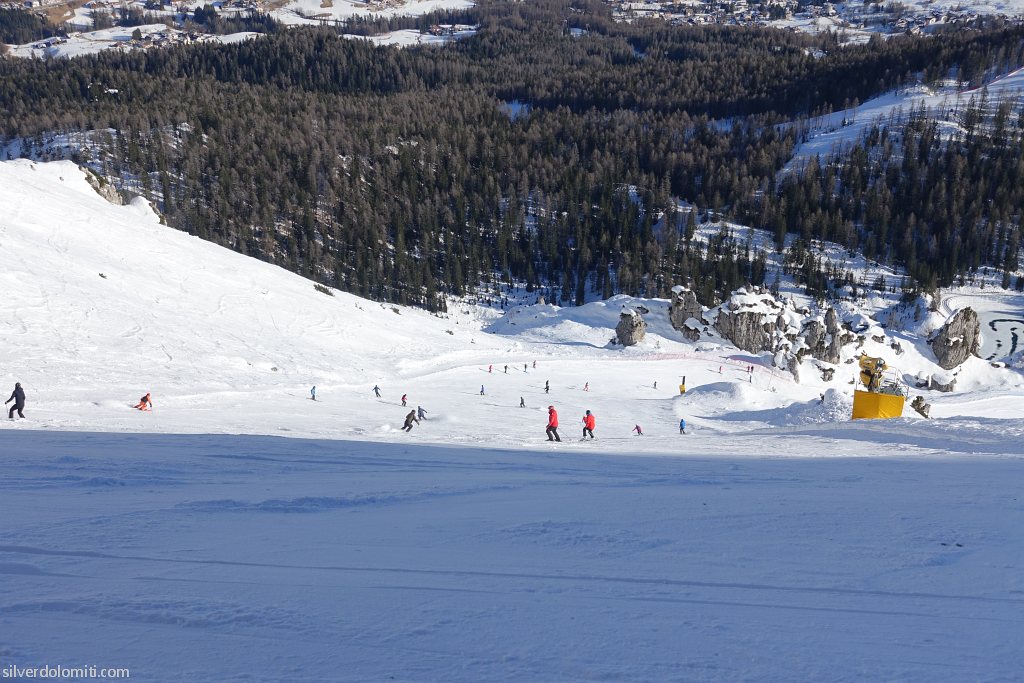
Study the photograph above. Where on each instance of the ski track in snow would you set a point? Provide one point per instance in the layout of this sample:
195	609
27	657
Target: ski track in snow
505	564
775	541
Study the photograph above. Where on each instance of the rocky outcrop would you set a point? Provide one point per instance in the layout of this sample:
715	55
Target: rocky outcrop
824	340
631	328
104	189
957	340
920	406
941	382
685	307
755	321
746	329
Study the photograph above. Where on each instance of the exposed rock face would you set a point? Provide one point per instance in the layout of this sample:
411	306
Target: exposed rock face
685	306
957	339
824	341
631	328
104	189
746	329
831	321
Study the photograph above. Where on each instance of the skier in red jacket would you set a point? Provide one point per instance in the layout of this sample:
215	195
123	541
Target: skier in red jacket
552	429
588	424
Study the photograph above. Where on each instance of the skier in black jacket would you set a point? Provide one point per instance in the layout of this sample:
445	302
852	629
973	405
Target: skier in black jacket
18	396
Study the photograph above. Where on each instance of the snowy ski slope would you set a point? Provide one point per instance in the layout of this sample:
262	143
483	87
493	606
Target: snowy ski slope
775	541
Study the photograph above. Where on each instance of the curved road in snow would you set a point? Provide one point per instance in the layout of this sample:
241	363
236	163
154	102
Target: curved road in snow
1001	317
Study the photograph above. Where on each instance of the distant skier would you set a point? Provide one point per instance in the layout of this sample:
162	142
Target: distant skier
588	425
481	389
312	392
420	413
404	397
552	430
522	403
639	432
682	426
409	419
376	390
547	386
145	403
524	367
490	368
534	365
586	387
506	369
18	396
655	384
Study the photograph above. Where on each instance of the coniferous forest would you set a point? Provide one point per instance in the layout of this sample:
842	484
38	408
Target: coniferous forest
527	153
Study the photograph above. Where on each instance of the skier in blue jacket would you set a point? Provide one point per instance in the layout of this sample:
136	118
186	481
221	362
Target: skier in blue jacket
682	426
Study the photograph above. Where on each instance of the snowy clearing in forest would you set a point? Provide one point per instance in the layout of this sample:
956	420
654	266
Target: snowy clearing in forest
836	132
312	12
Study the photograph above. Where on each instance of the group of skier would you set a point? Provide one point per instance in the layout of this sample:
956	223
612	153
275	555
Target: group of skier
589	420
589	423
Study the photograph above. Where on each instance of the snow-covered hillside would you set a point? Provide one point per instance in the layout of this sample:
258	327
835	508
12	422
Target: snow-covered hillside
775	540
837	132
112	305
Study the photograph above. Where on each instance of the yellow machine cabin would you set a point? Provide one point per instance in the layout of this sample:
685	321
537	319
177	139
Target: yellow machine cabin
882	396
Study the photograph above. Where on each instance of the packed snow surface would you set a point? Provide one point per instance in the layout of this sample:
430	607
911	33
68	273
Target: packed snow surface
243	531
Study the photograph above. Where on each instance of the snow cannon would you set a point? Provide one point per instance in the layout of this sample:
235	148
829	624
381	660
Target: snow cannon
883	394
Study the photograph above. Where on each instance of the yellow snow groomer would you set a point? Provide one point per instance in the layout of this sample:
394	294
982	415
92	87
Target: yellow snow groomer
883	396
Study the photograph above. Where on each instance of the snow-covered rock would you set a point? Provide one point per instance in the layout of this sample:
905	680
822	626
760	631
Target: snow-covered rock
751	320
685	312
631	328
958	339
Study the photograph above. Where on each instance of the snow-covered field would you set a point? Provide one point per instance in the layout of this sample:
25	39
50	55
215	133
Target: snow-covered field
242	531
410	37
313	11
117	38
